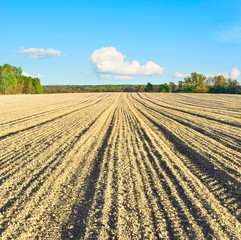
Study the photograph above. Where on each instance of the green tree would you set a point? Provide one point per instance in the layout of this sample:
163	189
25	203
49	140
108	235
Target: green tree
19	72
148	87
37	86
180	86
196	83
188	85
164	87
170	86
28	86
232	86
220	83
174	87
7	79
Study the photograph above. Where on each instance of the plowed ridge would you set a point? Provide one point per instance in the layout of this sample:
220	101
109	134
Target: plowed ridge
120	166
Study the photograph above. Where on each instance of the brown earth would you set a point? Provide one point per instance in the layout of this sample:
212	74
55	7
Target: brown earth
120	166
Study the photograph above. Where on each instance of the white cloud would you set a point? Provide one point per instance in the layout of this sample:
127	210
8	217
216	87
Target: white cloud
29	75
108	60
39	75
179	75
108	76
115	77
123	77
26	74
234	73
40	52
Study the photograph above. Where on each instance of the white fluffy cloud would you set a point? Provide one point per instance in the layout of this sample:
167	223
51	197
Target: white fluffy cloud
108	60
39	75
107	76
40	52
26	74
29	75
115	77
234	73
123	77
179	75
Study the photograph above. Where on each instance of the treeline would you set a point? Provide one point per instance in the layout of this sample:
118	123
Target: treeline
92	88
199	83
12	81
196	83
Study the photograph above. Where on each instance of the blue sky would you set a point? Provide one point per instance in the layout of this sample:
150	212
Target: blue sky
96	42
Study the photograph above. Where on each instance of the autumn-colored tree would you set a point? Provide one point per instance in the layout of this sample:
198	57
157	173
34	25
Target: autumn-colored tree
141	88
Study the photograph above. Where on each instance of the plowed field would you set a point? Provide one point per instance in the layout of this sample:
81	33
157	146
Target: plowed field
120	166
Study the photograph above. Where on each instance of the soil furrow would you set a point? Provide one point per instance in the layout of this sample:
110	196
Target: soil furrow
120	166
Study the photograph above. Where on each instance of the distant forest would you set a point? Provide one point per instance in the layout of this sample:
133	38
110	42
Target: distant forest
195	83
12	81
